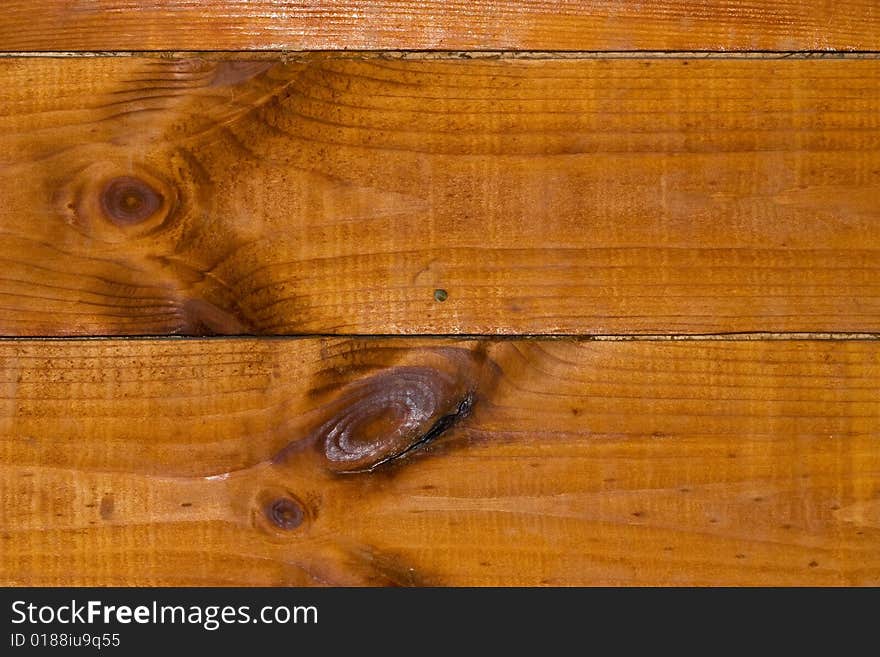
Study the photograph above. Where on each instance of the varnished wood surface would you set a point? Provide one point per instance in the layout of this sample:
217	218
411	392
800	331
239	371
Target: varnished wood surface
439	24
218	462
338	195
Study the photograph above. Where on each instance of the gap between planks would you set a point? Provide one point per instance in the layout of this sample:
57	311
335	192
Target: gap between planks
450	55
674	337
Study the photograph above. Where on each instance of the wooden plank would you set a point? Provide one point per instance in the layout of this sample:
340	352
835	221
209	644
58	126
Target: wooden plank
336	195
558	462
439	24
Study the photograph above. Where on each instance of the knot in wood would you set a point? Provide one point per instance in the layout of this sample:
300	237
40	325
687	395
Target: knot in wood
128	200
285	513
389	414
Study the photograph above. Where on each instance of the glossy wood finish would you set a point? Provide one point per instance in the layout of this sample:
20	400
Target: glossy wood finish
212	462
439	25
340	195
713	179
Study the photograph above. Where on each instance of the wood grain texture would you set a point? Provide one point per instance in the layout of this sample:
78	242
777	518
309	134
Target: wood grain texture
335	195
215	462
439	24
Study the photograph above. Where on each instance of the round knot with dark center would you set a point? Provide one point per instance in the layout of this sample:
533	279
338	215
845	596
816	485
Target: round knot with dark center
285	513
129	200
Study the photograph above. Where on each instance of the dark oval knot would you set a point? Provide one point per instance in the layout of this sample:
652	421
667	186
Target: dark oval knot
389	414
285	513
128	200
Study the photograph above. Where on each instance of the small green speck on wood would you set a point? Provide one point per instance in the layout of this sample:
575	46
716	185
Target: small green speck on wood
440	295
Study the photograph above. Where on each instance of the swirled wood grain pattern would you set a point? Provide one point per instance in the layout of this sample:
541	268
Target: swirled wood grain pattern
369	196
634	462
439	24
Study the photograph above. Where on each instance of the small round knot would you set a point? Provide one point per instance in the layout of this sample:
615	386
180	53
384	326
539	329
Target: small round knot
285	513
129	200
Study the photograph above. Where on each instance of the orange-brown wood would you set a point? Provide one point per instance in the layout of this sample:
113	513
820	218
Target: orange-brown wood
347	195
439	24
220	462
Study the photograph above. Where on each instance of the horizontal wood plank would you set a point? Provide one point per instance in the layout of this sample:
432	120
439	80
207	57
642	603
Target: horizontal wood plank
551	462
439	24
370	196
